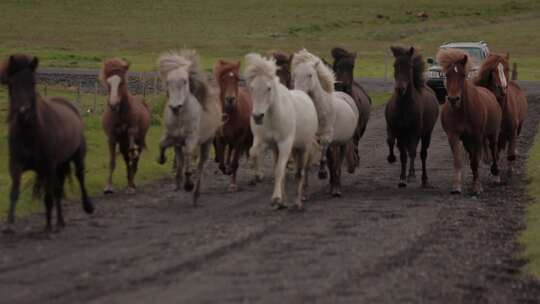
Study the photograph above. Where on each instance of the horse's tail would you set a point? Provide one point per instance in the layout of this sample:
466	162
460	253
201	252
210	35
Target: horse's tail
42	179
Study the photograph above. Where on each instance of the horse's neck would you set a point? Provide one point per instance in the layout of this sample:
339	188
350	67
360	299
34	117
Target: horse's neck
409	98
277	108
323	104
468	96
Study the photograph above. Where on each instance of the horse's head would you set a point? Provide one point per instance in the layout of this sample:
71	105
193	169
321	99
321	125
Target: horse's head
343	68
403	68
456	74
228	76
283	63
178	91
494	75
305	76
262	83
113	76
18	73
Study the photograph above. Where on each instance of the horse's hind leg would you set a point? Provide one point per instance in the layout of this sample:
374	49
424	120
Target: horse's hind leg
130	165
48	200
455	145
390	141
109	189
301	161
59	194
511	154
494	149
475	152
88	206
340	153
426	140
233	187
179	170
330	156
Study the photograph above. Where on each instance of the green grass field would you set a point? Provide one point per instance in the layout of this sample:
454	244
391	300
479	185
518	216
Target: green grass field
96	161
79	33
531	236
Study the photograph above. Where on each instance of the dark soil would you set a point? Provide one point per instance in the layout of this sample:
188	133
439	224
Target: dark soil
376	244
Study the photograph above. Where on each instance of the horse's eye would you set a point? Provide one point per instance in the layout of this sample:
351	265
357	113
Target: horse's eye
310	76
269	89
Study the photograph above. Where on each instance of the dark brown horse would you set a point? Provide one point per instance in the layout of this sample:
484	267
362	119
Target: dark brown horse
343	66
45	136
411	113
493	75
470	115
235	137
283	61
125	121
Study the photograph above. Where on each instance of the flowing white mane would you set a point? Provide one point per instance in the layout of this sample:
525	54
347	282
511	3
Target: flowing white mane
326	75
257	65
186	59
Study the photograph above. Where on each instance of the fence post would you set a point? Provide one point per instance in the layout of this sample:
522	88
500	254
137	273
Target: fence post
94	110
514	71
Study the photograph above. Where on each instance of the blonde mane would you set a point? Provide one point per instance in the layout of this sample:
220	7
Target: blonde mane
448	57
257	65
186	59
326	75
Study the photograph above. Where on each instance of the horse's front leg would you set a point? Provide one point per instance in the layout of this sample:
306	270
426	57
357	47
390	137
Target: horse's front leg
475	153
256	153
457	153
426	140
15	172
233	186
411	151
189	148
390	141
164	144
511	153
109	189
325	147
340	155
203	157
403	159
284	151
179	170
494	149
302	158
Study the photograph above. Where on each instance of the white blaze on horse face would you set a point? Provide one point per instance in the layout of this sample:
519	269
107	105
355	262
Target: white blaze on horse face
502	77
178	88
261	89
304	77
114	82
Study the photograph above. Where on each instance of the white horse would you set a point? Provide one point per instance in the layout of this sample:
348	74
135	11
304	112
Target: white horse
283	120
337	112
192	115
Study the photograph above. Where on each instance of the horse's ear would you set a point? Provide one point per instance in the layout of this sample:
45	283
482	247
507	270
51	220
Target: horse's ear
396	51
464	60
34	64
411	51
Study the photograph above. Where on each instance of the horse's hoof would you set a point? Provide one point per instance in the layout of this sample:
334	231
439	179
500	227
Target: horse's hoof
304	198
351	170
257	179
336	194
277	204
131	190
391	158
297	208
88	206
233	188
323	174
427	185
108	190
411	179
402	184
189	185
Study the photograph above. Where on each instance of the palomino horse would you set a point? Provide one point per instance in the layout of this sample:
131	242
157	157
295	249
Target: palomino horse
337	112
493	75
283	120
192	116
125	121
283	62
411	113
235	136
44	136
470	115
343	67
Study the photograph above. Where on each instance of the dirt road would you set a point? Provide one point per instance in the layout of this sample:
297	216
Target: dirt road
376	244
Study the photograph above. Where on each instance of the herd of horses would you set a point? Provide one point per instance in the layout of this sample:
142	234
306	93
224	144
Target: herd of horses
301	108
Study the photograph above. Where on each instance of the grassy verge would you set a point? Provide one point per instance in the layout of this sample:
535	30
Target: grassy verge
379	98
96	160
531	236
79	33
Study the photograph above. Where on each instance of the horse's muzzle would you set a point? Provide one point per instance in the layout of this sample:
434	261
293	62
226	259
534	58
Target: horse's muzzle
401	90
454	100
114	108
175	109
258	118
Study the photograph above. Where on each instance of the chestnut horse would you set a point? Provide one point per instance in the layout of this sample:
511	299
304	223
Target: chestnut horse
470	115
283	62
45	136
125	121
411	113
493	75
235	135
343	67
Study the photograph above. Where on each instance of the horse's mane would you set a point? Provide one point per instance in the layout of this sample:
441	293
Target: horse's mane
281	58
326	75
489	64
187	59
418	64
223	67
257	65
341	54
14	63
447	57
113	66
